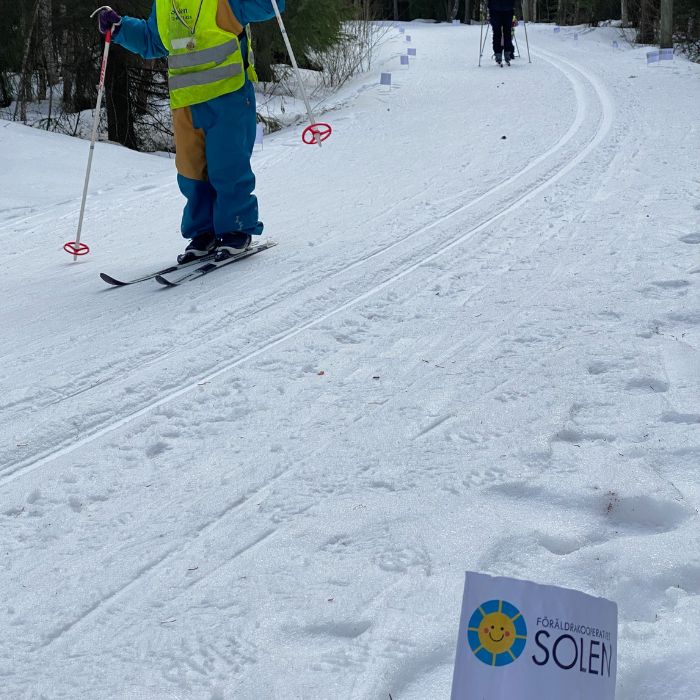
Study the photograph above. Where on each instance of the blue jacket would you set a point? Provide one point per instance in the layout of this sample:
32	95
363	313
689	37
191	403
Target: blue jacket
141	35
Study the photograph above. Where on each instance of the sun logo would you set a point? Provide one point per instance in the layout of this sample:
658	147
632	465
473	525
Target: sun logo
497	633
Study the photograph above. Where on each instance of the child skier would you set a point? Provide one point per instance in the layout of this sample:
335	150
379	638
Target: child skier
210	75
501	18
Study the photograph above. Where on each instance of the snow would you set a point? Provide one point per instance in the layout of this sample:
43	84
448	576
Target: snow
467	352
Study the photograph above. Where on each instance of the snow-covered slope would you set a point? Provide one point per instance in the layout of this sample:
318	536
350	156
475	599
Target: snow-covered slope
477	346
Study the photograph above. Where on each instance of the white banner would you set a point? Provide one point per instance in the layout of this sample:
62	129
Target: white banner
519	640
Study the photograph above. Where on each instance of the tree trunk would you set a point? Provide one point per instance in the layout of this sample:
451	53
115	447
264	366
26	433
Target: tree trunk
144	84
467	11
120	116
5	91
67	64
25	81
455	10
46	37
647	18
666	30
561	12
48	119
624	12
41	82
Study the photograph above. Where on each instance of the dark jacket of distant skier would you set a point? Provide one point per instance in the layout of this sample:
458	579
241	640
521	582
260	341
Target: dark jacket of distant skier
501	19
210	73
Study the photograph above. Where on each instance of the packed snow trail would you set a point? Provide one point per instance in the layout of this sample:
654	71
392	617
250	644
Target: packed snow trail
524	193
467	351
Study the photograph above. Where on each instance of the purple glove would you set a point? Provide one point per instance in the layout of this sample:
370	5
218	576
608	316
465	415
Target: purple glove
108	19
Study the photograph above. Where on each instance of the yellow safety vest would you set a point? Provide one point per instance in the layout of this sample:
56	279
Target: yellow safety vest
205	61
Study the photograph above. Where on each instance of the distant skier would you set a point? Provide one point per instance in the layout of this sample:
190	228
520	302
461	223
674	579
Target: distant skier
210	75
501	19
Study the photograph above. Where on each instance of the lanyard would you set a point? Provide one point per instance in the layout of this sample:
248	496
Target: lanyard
191	29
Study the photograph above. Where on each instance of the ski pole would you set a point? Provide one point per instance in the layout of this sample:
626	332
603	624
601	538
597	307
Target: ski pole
527	43
319	131
76	247
481	35
486	38
484	20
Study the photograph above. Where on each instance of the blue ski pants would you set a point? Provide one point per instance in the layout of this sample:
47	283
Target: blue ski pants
214	143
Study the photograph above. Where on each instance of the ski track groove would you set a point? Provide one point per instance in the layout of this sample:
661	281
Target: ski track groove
171	553
266	534
432	426
64	629
17	469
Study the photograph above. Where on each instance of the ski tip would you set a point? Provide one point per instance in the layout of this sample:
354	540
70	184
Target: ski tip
110	280
166	283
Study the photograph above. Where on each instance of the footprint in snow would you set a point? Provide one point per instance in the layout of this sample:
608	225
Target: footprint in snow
350	629
671	284
400	560
576	437
647	385
157	448
563	545
682	418
648	513
600	367
661	288
691	238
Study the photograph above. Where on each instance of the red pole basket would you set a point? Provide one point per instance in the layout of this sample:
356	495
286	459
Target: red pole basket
76	248
316	132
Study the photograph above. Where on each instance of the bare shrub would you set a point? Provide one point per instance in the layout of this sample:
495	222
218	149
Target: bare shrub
354	52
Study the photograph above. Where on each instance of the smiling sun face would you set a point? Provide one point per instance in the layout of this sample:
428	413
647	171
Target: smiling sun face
497	633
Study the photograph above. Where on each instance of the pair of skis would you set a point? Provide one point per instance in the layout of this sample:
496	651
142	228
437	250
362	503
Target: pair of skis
210	265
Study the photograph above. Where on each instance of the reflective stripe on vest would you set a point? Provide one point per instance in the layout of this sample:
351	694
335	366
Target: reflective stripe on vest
217	54
206	63
204	77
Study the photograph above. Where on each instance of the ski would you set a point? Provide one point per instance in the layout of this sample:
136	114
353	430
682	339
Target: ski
165	271
211	266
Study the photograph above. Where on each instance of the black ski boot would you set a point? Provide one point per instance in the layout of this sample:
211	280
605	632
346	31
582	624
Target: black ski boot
498	58
230	244
198	247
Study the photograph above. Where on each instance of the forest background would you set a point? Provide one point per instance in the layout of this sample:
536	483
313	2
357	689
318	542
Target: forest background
50	53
